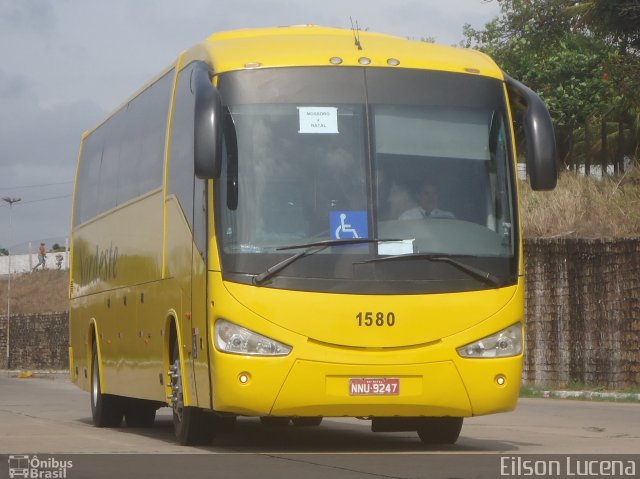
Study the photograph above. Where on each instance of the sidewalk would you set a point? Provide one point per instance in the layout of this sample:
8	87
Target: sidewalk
592	395
25	374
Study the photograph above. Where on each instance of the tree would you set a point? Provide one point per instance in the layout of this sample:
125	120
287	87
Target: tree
583	77
618	21
4	252
56	248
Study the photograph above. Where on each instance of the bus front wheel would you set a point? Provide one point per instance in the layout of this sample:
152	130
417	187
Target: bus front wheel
440	430
192	426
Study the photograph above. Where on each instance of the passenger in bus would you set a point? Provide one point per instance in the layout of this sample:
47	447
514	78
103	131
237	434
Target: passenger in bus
393	198
427	207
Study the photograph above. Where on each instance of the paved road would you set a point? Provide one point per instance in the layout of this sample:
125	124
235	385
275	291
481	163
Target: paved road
48	417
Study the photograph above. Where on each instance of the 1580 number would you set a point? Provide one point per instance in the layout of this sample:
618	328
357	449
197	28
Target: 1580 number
376	319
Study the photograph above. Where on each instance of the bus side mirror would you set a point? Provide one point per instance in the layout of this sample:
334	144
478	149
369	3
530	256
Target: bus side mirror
540	138
207	124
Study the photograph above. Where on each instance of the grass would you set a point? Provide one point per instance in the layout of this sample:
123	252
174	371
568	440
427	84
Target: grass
37	292
583	207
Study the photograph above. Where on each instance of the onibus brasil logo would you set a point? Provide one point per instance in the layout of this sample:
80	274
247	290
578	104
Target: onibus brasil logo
35	468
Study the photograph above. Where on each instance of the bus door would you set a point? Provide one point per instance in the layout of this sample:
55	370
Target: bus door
186	241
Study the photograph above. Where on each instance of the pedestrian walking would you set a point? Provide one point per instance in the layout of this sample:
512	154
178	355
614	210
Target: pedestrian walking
42	256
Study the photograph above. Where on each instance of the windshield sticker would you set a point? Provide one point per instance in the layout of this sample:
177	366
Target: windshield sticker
395	248
348	224
315	119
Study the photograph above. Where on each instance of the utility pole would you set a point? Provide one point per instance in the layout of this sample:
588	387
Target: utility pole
11	201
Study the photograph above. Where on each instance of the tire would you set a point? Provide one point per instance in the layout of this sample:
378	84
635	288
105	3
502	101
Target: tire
306	421
139	413
275	421
192	426
106	410
224	424
440	430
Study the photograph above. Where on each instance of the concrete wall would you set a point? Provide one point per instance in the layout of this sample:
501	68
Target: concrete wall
582	318
23	263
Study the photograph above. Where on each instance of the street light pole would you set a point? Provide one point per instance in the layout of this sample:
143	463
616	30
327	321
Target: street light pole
11	201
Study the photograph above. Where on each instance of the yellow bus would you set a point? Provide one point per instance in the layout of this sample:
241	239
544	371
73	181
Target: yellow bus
305	222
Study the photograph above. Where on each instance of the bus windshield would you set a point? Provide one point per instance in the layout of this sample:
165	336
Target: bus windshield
418	162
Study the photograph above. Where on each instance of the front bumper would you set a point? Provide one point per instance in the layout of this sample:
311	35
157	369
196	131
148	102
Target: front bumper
298	387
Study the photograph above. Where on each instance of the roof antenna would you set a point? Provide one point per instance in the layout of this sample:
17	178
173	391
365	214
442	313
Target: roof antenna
356	33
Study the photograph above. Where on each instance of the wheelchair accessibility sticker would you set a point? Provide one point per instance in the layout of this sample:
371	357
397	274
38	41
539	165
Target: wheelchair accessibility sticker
348	224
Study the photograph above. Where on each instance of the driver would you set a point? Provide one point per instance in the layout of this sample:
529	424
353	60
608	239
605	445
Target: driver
427	207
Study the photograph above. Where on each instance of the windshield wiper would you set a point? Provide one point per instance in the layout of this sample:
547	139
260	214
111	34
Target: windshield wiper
477	273
309	249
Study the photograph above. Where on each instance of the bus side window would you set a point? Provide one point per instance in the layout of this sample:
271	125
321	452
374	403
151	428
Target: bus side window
123	158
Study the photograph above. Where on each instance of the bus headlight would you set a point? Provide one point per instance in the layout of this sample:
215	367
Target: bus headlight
507	342
231	338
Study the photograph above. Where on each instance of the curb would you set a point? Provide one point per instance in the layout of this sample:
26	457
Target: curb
24	374
592	395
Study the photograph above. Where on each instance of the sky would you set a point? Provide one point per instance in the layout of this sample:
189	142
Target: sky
64	64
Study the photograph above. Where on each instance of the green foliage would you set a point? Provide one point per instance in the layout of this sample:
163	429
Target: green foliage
581	57
4	252
539	46
56	248
618	21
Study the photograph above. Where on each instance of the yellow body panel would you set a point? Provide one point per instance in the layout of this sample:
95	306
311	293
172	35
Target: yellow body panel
135	271
332	318
299	46
313	379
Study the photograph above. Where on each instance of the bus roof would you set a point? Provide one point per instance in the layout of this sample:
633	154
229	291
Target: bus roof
310	45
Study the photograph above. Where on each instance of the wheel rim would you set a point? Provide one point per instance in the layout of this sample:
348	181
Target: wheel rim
177	402
95	385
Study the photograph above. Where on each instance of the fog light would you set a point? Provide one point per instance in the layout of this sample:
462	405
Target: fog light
243	378
501	380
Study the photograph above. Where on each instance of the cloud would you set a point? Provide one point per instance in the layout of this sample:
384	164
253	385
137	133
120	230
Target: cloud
27	16
67	62
38	146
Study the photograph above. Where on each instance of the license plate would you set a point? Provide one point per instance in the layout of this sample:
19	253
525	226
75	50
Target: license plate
374	386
